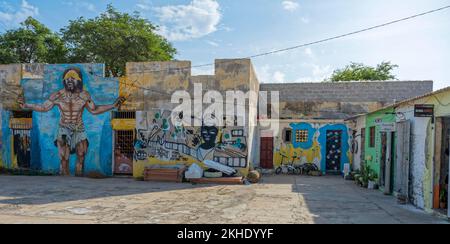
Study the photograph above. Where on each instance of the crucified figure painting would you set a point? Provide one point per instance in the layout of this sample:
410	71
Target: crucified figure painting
71	102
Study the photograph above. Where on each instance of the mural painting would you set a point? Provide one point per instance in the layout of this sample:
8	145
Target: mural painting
69	133
325	145
159	141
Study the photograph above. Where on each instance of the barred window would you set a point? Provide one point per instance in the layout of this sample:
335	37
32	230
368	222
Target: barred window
301	136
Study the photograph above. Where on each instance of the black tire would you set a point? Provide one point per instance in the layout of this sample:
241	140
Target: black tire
279	170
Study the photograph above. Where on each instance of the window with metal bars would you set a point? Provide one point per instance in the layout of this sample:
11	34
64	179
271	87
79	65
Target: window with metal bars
124	143
123	115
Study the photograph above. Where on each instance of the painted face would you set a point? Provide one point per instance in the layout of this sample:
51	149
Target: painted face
209	134
71	84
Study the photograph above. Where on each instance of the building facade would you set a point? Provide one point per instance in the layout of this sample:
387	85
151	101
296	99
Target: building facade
419	161
70	119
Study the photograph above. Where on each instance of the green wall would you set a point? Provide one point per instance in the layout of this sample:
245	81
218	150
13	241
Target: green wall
373	154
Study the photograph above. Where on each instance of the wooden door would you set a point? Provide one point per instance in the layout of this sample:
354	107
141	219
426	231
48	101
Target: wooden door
403	159
266	152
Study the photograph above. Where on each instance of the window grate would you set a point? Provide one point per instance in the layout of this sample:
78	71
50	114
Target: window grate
22	114
125	143
124	115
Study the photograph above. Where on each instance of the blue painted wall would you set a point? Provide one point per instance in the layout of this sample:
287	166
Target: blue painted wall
98	127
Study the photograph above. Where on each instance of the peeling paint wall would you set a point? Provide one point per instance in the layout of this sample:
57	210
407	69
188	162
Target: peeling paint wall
423	147
321	147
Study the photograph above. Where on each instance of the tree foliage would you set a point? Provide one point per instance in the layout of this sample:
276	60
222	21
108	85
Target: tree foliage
115	38
361	72
32	42
112	38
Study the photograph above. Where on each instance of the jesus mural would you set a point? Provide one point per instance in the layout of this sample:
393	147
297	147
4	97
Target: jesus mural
71	102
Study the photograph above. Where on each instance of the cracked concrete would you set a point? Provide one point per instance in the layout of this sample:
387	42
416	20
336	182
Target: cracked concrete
278	199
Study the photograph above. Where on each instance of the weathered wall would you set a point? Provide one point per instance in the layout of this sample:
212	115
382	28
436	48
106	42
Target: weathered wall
162	142
342	100
38	83
314	150
423	146
359	124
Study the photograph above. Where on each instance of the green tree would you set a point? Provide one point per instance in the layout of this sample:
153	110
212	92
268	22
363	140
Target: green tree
361	72
115	38
32	42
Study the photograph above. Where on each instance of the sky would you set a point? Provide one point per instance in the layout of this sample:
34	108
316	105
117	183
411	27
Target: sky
204	30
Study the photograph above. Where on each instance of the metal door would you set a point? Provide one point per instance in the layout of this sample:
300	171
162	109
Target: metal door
266	152
123	152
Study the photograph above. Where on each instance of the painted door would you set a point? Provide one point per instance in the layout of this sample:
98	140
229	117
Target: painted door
123	152
383	159
266	152
403	160
22	149
363	146
334	151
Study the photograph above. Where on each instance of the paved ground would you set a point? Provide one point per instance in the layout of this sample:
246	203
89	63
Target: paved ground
279	199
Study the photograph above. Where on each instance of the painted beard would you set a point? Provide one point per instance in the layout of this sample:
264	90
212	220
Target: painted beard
71	85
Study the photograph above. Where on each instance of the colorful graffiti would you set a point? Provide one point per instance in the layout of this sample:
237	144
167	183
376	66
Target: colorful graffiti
325	145
159	141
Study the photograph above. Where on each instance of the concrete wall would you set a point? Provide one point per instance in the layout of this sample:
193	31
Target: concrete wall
163	142
38	82
342	100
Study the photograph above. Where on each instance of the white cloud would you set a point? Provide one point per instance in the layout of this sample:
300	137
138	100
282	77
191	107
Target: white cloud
305	20
290	5
194	20
309	52
279	77
212	43
11	17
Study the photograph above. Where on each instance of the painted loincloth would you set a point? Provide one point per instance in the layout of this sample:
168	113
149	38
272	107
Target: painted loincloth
71	135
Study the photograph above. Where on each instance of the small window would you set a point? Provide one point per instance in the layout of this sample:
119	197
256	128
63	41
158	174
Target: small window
22	114
124	115
301	136
287	135
269	111
372	137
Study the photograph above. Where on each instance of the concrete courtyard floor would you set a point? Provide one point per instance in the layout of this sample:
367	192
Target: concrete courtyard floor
278	199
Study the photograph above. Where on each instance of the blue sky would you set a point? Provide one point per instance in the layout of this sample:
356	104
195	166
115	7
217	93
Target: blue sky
203	30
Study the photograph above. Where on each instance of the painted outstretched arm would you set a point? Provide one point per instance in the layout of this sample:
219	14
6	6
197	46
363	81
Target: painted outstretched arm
45	107
94	109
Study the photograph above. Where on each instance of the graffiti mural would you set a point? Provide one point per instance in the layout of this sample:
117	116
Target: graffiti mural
66	104
159	141
313	143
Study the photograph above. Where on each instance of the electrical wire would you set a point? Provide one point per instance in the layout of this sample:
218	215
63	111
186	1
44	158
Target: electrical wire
294	47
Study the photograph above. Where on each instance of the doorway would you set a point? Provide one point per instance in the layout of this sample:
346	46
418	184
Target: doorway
266	152
386	162
22	148
334	151
441	166
123	152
